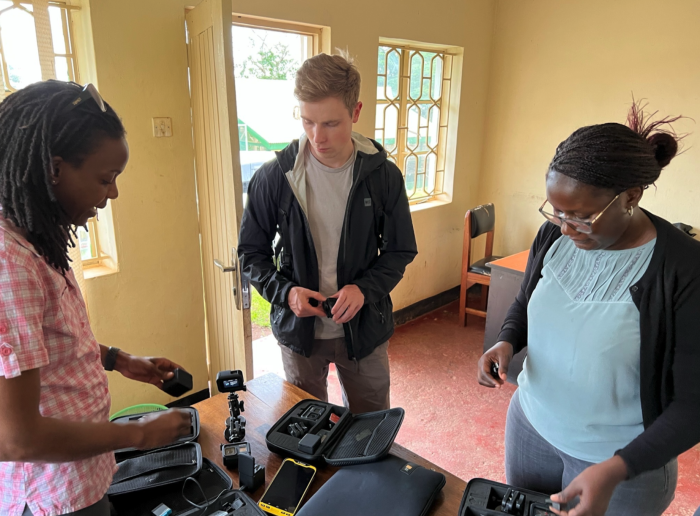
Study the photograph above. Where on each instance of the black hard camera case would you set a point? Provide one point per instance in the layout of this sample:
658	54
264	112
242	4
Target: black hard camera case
484	498
354	439
147	479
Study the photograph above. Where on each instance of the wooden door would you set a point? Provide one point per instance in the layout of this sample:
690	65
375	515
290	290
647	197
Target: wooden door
219	187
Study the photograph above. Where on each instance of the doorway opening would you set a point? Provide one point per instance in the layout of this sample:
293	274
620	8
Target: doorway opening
266	56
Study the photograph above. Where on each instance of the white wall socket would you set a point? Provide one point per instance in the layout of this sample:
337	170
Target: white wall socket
162	127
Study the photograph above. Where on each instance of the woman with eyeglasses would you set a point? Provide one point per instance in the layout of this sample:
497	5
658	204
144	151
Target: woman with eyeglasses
62	149
609	310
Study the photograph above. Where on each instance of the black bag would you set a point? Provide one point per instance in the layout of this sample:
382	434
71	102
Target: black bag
147	479
391	487
485	498
352	439
157	468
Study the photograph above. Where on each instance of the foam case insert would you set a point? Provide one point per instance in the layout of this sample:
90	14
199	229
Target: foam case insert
346	438
483	498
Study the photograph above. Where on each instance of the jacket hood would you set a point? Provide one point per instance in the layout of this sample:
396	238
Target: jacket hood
291	161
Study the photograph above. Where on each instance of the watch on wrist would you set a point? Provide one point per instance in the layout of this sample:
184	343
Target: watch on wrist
111	359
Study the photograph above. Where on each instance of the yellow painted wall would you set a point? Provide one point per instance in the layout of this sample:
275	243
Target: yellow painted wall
154	304
557	66
358	26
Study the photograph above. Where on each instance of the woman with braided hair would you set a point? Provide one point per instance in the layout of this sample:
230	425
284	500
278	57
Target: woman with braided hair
609	311
62	149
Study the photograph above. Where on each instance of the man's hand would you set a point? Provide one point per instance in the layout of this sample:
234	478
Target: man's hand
350	300
594	487
298	301
146	369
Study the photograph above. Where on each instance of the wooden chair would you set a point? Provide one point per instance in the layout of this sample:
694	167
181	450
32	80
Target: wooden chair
477	221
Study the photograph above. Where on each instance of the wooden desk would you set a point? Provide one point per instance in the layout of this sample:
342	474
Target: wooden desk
506	277
268	398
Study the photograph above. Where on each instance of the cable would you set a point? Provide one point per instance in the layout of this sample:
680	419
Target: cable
208	503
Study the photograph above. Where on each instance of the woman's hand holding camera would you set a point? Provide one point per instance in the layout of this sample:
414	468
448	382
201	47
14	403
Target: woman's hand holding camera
497	359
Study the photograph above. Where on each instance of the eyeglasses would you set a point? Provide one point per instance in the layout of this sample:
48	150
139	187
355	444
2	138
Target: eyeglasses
582	226
89	92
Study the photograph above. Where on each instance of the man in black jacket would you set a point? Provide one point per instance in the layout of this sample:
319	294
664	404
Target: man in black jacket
345	232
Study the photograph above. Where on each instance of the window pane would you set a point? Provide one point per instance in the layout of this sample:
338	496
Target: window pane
410	173
86	248
20	48
388	119
59	42
436	78
417	92
414	120
62	64
433	126
381	81
392	62
416	75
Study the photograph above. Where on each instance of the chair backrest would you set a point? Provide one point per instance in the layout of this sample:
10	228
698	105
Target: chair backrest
483	219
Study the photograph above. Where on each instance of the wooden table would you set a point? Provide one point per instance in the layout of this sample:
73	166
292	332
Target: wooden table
506	277
268	398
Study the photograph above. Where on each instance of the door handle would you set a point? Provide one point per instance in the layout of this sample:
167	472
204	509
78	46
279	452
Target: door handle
236	291
223	267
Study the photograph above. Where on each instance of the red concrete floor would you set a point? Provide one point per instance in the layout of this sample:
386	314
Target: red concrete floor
454	422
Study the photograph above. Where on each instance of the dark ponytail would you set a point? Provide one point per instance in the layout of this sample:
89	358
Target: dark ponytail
618	157
35	126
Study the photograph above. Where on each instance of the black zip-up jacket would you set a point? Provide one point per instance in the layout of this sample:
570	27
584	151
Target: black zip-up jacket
668	299
359	259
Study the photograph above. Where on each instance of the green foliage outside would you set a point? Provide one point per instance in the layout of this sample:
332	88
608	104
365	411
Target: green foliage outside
259	310
274	63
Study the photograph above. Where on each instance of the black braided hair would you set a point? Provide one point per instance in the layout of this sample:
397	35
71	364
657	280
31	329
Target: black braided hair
616	156
35	126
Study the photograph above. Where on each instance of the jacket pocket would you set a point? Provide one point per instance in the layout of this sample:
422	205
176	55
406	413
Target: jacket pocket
377	309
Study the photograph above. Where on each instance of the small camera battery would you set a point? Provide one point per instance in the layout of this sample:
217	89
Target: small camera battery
309	443
179	384
162	510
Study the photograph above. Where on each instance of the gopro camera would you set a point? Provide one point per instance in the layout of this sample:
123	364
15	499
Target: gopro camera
230	381
230	453
314	413
328	305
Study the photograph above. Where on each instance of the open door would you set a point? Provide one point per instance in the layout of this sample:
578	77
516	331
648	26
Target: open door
219	187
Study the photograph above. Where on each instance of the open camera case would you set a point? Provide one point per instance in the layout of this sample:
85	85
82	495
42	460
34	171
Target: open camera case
147	479
352	439
485	498
126	453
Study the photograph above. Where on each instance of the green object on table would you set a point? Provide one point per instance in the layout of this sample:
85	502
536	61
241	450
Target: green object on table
138	409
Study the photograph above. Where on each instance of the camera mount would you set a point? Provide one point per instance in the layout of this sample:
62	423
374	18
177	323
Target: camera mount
232	382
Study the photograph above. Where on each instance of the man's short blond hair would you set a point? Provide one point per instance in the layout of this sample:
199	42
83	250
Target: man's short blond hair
324	76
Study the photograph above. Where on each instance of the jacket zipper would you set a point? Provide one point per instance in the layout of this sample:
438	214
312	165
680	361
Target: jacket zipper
374	305
308	234
345	246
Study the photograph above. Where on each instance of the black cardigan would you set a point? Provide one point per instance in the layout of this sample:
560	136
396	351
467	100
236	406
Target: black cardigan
668	299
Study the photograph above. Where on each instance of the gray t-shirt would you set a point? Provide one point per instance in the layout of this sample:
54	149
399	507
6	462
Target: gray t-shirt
327	191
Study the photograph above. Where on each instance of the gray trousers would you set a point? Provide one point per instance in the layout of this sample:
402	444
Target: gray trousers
101	508
533	463
365	383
